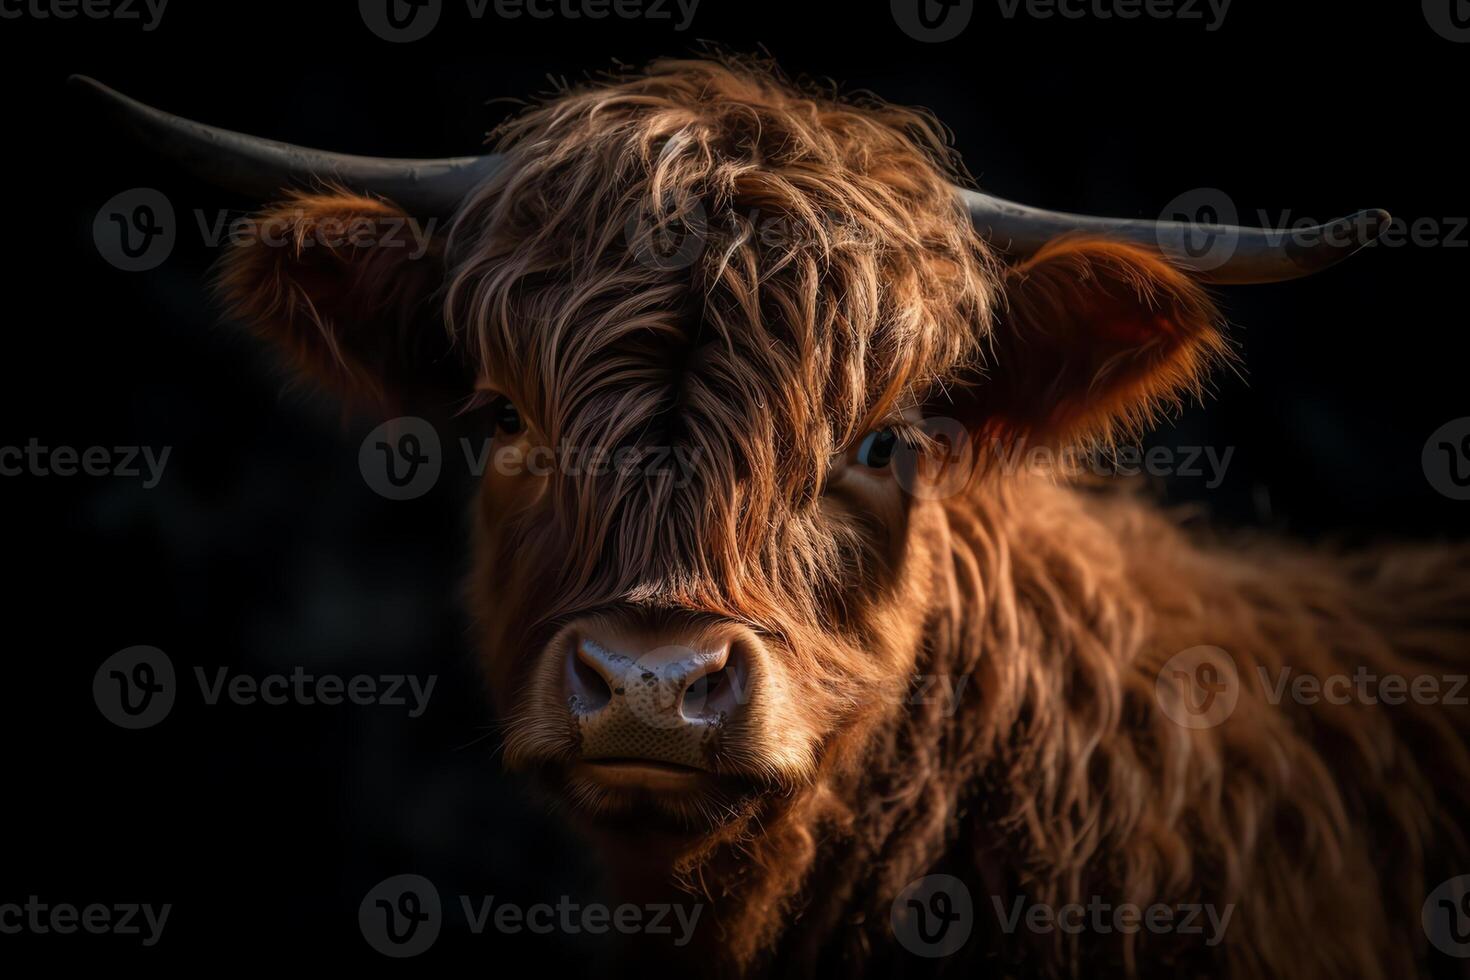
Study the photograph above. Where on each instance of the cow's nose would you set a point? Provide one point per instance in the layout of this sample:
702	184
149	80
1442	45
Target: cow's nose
659	701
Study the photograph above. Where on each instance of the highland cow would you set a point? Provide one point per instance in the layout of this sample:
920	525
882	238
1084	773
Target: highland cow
714	664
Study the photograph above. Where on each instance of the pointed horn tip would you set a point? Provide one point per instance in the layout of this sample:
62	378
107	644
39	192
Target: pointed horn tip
86	84
1372	221
87	87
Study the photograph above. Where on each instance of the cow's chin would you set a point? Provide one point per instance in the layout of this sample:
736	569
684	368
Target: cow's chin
655	802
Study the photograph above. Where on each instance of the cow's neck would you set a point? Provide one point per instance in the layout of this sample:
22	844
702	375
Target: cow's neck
1017	563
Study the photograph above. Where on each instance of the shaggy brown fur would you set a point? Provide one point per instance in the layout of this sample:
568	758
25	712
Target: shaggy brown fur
768	353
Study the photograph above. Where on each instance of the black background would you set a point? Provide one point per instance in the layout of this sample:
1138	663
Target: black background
263	548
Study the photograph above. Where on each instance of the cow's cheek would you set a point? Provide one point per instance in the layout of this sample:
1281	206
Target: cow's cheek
894	631
901	612
497	593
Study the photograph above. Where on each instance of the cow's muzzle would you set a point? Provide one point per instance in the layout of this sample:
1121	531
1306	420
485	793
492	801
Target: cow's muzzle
647	705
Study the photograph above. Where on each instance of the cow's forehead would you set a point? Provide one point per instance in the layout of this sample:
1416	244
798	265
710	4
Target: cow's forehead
795	377
726	407
719	262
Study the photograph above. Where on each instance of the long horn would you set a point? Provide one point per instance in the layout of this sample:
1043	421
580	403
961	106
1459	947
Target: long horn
262	168
1224	254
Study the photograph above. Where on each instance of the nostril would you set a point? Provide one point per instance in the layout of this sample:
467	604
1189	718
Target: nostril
716	692
703	688
587	687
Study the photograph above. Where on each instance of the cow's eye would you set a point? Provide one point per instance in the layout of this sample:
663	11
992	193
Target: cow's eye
505	416
876	449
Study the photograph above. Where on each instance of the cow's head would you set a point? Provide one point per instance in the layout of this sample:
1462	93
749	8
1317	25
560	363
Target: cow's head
710	320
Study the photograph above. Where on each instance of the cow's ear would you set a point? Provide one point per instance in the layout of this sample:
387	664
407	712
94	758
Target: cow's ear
346	286
1097	338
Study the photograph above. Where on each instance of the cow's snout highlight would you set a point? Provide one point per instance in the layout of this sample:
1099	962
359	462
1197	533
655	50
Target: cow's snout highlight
666	698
